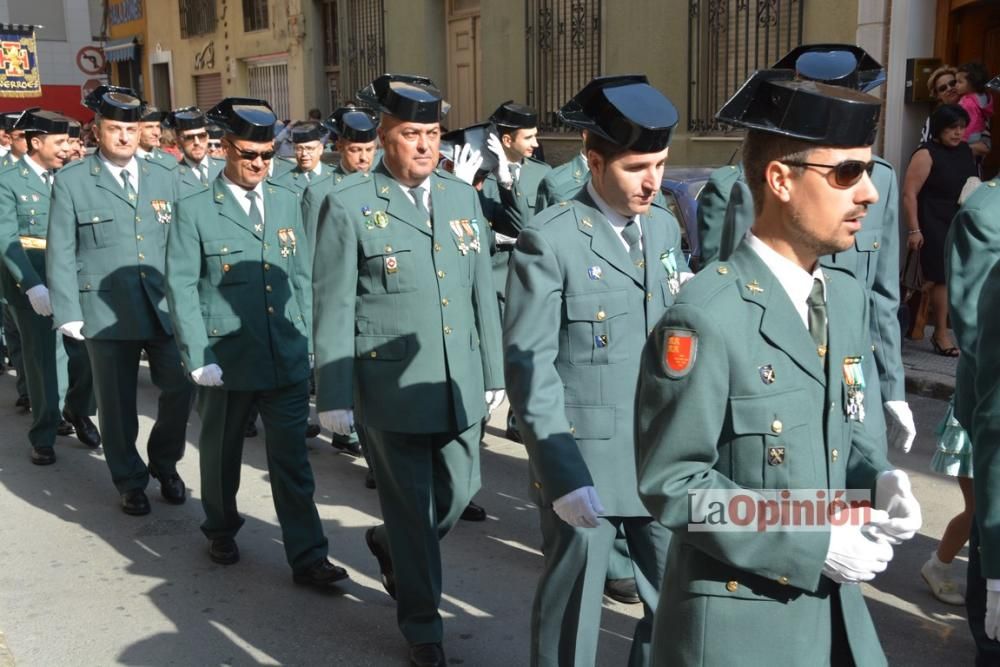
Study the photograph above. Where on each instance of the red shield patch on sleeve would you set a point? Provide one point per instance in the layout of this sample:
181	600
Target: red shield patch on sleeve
680	349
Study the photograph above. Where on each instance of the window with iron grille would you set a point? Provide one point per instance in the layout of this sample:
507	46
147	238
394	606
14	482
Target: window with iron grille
365	44
331	43
563	53
727	41
197	17
255	15
269	81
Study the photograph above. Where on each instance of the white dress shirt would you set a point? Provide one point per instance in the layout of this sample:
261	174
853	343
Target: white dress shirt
132	168
617	220
240	194
796	281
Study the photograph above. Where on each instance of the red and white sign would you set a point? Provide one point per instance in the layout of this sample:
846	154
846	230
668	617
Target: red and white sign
90	60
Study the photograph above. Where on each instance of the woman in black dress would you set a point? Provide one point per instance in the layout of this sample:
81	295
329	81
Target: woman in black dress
938	170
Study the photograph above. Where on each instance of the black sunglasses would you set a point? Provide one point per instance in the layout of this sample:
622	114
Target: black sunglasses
253	155
945	86
845	173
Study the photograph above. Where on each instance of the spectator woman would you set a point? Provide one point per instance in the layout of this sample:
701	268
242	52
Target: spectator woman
934	180
943	86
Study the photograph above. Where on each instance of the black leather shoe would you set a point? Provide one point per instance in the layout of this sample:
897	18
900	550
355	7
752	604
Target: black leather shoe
622	590
171	487
43	456
251	430
64	428
384	563
322	575
473	512
427	655
135	502
369	480
342	444
312	430
224	551
24	403
86	430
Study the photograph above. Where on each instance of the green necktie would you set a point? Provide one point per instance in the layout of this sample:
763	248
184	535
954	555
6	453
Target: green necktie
817	316
47	179
418	201
129	190
631	235
255	217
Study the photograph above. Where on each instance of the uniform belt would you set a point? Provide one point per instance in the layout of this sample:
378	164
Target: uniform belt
32	242
505	247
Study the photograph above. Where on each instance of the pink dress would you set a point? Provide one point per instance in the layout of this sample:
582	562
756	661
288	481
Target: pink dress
979	106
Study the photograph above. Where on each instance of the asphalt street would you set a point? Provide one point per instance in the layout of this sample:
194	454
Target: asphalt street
83	584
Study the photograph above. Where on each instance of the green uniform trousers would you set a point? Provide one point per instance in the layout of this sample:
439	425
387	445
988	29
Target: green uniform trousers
12	339
424	482
566	616
54	367
284	412
115	365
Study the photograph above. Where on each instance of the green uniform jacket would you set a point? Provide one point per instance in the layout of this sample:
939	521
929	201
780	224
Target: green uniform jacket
517	205
293	179
723	426
188	180
578	312
241	297
973	253
163	158
562	183
314	195
24	211
407	330
725	215
105	253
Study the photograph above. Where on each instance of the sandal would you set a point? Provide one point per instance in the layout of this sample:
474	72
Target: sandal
946	351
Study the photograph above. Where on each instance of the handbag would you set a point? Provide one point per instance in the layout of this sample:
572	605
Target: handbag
911	279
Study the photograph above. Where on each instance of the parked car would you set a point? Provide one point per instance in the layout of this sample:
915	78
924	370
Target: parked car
681	187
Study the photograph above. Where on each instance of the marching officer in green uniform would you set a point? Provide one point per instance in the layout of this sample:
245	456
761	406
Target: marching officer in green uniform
17	148
563	182
52	370
724	216
196	169
407	338
307	140
752	385
149	138
18	142
589	279
239	293
107	241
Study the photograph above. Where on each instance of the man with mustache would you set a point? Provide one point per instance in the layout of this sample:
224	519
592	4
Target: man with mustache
754	383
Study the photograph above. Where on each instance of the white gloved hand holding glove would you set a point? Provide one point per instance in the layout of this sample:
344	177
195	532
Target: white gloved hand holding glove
579	508
901	430
853	556
894	494
504	177
340	422
466	163
207	376
494	398
992	608
72	329
38	297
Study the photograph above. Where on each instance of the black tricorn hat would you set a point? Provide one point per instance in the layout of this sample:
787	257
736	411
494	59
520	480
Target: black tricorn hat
74	129
45	122
405	96
625	110
353	123
151	114
515	116
310	131
835	64
8	119
115	103
215	132
185	118
476	135
245	117
818	113
994	84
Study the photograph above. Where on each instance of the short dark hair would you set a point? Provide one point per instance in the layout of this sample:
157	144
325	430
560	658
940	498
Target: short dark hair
315	114
606	149
31	134
945	117
762	148
976	75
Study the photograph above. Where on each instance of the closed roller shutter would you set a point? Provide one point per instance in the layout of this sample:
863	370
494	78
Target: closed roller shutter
207	90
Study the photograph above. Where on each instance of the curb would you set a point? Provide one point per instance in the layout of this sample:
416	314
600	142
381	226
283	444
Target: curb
931	385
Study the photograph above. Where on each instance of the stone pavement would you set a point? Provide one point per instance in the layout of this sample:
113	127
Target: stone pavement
928	373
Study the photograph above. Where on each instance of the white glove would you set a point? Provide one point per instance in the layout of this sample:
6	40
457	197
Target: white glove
894	495
207	376
466	163
579	508
340	422
72	329
992	608
503	164
853	556
38	296
494	399
902	430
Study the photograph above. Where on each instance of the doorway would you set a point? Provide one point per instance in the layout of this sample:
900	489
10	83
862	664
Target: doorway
464	63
